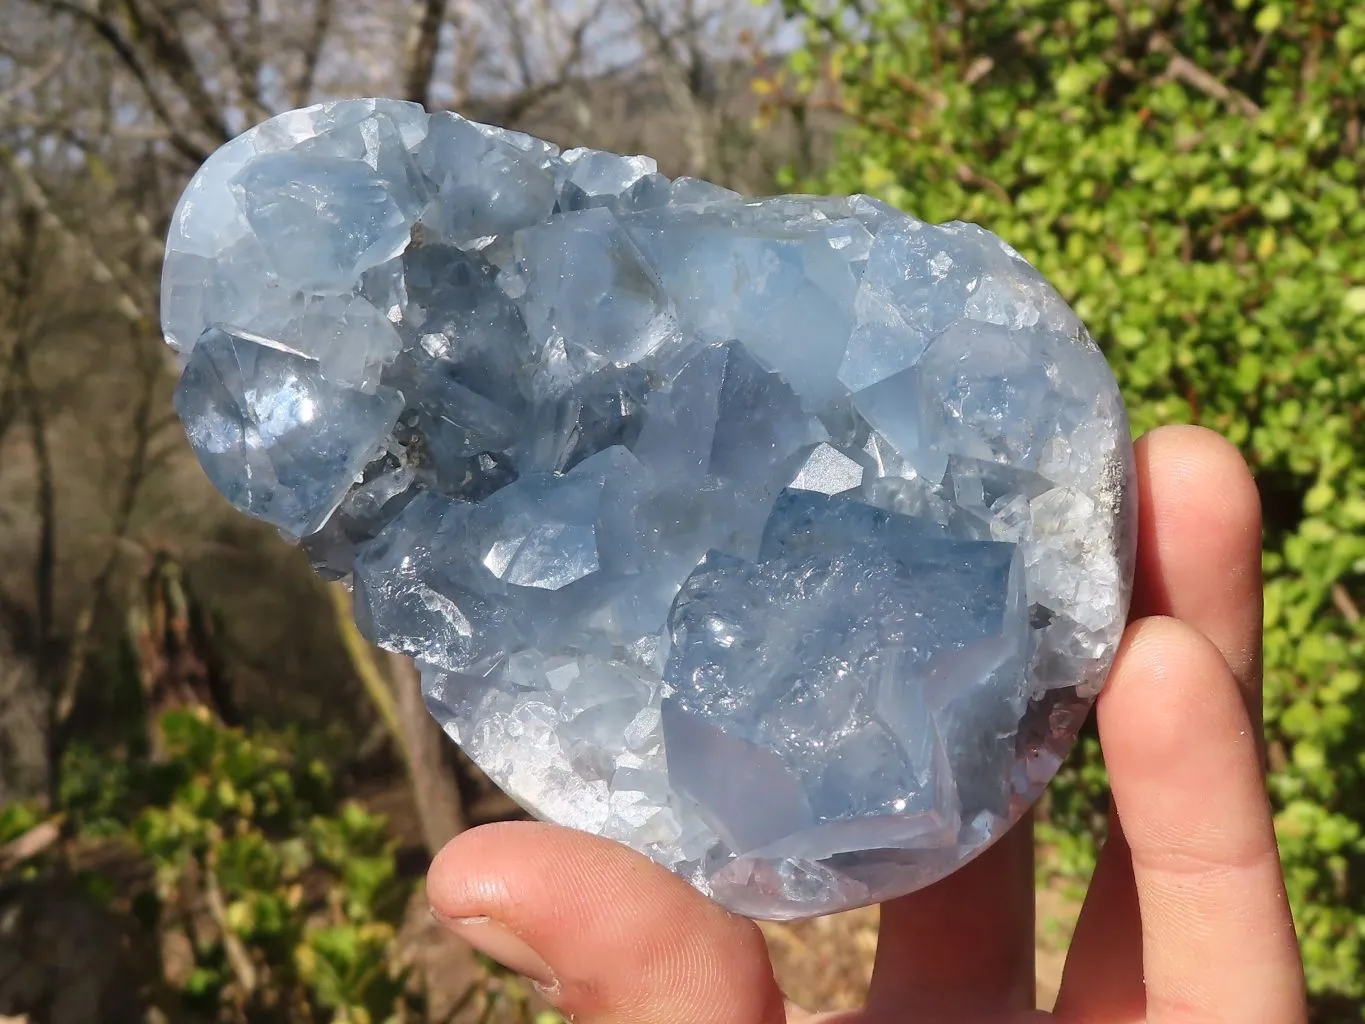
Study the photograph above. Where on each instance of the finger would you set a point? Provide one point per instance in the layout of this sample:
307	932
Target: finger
1102	982
1199	545
1198	560
607	935
964	945
1198	556
1217	938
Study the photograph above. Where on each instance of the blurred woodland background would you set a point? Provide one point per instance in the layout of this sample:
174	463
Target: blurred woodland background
216	801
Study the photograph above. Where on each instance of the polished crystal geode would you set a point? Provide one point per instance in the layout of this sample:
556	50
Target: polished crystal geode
785	540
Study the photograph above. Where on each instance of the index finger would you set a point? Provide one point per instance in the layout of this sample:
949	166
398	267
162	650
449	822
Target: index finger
1198	560
1218	939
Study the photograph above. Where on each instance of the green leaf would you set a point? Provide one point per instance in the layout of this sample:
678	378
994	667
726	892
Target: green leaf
1354	301
1278	206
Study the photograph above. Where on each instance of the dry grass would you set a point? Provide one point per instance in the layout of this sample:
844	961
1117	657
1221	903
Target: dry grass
825	964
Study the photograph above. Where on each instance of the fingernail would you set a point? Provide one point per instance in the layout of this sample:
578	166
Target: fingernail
497	942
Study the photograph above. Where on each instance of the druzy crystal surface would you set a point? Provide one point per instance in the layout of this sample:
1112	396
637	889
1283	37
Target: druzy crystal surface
785	540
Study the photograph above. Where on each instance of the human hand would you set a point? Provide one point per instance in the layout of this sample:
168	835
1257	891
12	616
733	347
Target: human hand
1186	918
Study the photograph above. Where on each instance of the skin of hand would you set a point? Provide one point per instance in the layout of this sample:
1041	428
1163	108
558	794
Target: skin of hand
1186	919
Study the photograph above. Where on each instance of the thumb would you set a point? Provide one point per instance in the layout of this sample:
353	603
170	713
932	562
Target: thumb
607	936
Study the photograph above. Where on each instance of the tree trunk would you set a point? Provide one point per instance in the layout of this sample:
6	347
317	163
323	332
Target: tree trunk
394	687
435	790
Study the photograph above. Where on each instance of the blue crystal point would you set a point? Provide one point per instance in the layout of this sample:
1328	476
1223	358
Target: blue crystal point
276	437
785	540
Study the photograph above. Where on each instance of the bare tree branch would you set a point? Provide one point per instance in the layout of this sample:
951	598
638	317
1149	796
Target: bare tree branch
397	697
362	661
1182	69
128	56
131	302
419	54
1345	604
1185	70
238	958
144	430
467	42
172	55
435	790
35	78
319	27
680	75
29	845
533	88
45	497
244	55
10	404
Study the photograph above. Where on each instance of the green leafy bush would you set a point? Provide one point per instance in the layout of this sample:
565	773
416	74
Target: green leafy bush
287	897
1190	174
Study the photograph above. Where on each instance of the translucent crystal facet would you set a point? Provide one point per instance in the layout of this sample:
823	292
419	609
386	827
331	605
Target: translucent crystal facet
785	540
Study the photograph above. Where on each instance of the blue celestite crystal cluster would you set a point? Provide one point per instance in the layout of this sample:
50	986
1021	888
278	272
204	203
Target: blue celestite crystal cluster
785	540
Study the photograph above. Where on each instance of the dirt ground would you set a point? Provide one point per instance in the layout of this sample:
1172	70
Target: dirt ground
825	964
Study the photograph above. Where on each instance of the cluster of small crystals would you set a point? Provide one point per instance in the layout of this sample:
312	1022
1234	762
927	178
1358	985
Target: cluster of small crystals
784	540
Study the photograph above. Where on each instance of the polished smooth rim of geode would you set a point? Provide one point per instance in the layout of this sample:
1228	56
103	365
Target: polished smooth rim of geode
787	541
